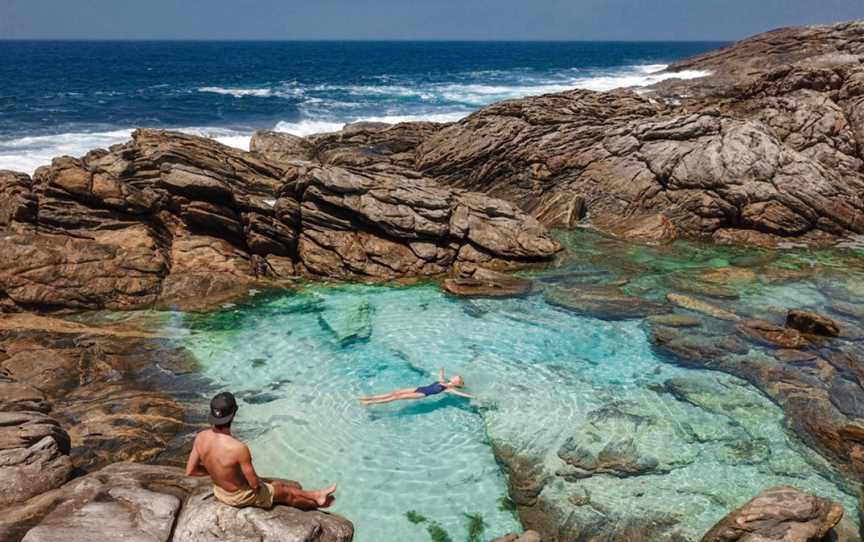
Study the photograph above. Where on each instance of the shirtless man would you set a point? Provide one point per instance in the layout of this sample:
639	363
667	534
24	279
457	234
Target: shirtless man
228	462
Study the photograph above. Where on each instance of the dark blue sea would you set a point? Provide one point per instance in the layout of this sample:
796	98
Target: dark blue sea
68	97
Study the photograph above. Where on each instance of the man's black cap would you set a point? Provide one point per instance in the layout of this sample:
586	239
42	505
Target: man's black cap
223	407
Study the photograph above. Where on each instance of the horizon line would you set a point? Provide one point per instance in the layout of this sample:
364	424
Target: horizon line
364	40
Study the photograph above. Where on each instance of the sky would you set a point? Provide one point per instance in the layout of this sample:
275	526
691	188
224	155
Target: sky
413	19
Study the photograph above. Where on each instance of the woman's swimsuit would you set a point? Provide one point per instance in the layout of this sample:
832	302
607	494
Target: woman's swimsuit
431	389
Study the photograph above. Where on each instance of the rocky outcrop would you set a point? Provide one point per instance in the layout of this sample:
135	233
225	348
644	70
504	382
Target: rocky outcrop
766	146
150	503
170	218
779	514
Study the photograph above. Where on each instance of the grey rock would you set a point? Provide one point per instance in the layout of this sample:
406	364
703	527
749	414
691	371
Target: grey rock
203	519
148	503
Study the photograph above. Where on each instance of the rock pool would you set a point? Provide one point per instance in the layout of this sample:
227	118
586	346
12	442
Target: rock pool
623	432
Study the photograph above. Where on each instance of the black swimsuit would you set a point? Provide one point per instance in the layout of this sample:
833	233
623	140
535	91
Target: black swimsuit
431	389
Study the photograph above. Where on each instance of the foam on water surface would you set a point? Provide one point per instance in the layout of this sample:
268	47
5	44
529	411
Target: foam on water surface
299	362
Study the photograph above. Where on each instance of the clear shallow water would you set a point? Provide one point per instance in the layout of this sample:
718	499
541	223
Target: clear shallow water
299	361
70	97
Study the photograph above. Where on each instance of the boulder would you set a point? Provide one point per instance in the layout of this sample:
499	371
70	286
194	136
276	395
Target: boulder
779	514
812	323
203	519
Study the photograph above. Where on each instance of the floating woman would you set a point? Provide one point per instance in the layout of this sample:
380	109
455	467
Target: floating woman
441	386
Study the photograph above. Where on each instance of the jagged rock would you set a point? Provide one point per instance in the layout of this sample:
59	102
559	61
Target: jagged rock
778	514
812	323
170	218
281	147
703	307
148	503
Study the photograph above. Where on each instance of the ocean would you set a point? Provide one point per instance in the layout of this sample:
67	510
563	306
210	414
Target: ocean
66	98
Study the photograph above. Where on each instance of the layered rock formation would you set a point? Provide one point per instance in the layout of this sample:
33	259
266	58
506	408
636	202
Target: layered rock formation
766	147
169	217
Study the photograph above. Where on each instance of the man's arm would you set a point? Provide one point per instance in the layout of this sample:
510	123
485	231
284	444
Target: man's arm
441	374
247	468
193	465
460	393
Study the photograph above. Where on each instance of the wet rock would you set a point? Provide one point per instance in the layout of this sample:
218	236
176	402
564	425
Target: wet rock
350	326
695	349
617	441
782	514
700	306
812	323
674	320
702	288
768	334
143	502
849	310
603	302
485	283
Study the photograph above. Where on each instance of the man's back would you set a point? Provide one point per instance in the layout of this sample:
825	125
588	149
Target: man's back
222	455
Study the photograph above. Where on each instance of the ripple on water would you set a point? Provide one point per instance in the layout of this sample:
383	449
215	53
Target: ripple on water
543	375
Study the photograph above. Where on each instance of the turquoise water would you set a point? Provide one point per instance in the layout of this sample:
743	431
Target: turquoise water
543	375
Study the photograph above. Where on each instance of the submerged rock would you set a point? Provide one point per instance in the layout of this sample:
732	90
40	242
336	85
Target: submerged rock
603	302
486	283
812	323
703	307
779	514
768	334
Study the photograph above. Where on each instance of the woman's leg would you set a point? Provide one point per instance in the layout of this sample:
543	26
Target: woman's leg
300	498
385	395
396	397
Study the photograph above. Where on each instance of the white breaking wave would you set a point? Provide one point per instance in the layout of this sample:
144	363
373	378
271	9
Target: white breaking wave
309	126
25	154
282	92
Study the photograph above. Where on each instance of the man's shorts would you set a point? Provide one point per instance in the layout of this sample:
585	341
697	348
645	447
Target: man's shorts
262	498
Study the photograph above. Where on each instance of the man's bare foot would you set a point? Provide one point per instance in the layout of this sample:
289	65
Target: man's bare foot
324	497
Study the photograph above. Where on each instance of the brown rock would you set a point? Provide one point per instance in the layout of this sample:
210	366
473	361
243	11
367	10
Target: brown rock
782	514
